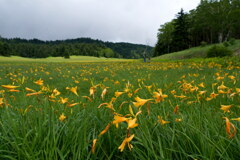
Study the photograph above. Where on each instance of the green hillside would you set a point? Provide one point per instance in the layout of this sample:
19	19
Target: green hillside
196	52
35	48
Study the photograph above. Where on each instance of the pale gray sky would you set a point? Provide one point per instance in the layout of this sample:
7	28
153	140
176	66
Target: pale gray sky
135	21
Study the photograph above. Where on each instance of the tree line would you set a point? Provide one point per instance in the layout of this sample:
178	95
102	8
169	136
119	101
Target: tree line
213	21
36	48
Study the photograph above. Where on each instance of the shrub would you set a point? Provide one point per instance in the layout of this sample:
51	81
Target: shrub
232	41
219	51
203	44
226	44
66	55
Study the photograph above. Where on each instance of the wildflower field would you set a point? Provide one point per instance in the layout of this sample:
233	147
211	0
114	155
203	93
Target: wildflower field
120	110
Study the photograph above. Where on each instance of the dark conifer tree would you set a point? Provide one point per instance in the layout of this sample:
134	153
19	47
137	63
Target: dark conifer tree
180	34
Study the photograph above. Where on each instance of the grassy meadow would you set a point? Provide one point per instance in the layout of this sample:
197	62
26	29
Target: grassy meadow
61	59
197	52
119	110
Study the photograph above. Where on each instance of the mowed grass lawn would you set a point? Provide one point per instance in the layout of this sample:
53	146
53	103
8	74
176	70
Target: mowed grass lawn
119	110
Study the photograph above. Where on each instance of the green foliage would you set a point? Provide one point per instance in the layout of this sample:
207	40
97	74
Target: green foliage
232	41
211	22
197	52
4	49
164	39
30	127
203	44
107	52
181	34
219	51
66	55
81	46
226	43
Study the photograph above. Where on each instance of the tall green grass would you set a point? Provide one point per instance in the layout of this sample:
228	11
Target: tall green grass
37	133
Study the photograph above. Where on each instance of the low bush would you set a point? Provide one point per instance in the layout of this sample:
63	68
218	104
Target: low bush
219	51
203	44
232	41
226	43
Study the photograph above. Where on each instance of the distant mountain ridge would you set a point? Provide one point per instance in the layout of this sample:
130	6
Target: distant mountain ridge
36	48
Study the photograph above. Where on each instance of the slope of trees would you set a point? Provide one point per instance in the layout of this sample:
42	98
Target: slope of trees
213	21
36	48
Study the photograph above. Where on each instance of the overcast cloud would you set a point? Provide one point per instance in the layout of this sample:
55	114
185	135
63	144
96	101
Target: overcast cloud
135	21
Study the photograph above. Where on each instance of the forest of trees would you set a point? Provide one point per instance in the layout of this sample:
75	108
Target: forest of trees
35	48
213	21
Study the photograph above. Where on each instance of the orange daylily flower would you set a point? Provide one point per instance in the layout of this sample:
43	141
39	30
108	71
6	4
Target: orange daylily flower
62	117
105	130
238	90
140	102
222	87
63	100
178	120
213	95
148	87
29	89
116	82
45	89
73	90
134	92
104	93
201	85
132	123
202	92
176	109
231	77
2	91
1	101
108	105
159	96
180	82
94	145
39	82
217	74
33	94
126	141
118	119
161	121
192	89
222	92
92	91
9	86
225	108
181	96
73	104
13	90
56	92
208	99
236	119
229	125
117	94
126	90
184	76
219	78
149	107
130	95
90	100
233	94
173	92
